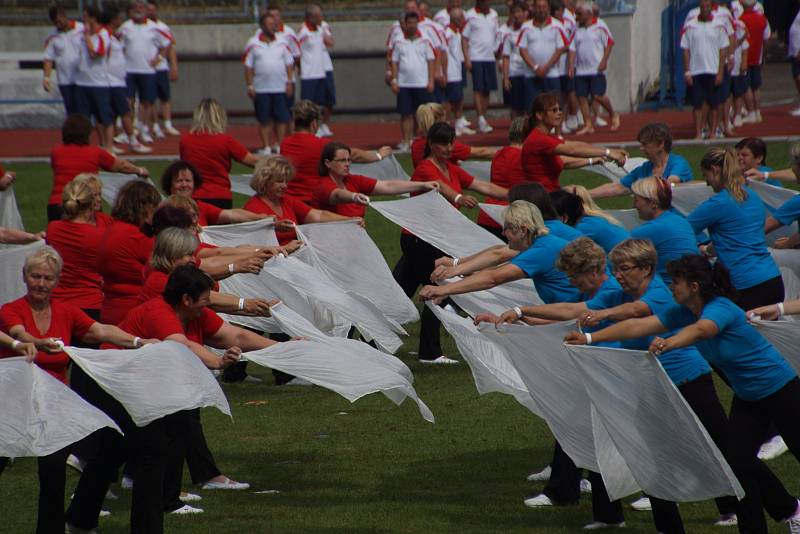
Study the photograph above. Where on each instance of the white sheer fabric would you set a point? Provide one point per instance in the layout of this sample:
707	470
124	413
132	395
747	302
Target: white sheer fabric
113	182
256	233
41	415
12	258
495	211
154	380
9	212
614	172
479	169
784	336
788	261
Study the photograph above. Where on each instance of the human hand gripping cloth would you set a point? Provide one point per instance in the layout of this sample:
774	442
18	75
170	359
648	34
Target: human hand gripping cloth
557	387
784	337
666	447
12	258
348	367
9	213
614	172
41	415
152	381
362	269
113	182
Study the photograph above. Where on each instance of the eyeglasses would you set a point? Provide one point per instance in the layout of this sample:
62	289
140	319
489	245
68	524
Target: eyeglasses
555	109
624	269
343	160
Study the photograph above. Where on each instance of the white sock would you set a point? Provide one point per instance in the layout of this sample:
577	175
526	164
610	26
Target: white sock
168	124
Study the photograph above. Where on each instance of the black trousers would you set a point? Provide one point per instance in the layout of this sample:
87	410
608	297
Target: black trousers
767	292
413	270
564	486
202	466
747	423
223	203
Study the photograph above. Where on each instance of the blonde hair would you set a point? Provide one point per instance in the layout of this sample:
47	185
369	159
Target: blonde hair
639	252
731	176
795	154
78	196
655	190
46	255
171	244
187	204
269	169
590	207
523	214
209	117
581	255
428	115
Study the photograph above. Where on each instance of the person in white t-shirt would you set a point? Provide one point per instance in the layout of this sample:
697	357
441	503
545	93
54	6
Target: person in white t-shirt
738	62
269	73
541	46
566	66
62	47
454	90
704	44
314	42
166	72
479	42
92	94
794	56
442	17
412	74
517	79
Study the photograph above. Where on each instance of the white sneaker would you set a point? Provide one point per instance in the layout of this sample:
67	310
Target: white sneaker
600	122
190	497
538	501
565	129
117	150
122	139
642	504
737	121
169	129
572	122
586	486
541	476
464	130
441	360
227	484
146	138
772	449
297	381
599	525
75	463
795	112
158	132
719	134
127	483
727	520
324	131
104	513
402	147
750	117
484	126
139	148
186	509
111	496
328	131
266	151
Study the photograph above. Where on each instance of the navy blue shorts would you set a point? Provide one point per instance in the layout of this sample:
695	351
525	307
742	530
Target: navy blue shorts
68	96
723	90
795	68
454	92
410	98
142	84
272	107
330	89
95	102
567	84
754	77
739	85
484	76
119	101
438	93
314	90
547	85
594	85
703	90
463	75
162	85
520	93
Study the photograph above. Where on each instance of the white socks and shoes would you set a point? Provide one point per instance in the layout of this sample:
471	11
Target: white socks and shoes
441	360
169	129
541	476
158	132
266	151
641	504
190	497
538	501
586	486
772	449
483	125
186	510
226	484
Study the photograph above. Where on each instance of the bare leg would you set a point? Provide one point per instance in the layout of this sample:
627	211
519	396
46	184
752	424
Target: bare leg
326	115
263	134
407	127
606	103
280	132
713	119
588	123
698	122
106	134
146	116
166	111
480	104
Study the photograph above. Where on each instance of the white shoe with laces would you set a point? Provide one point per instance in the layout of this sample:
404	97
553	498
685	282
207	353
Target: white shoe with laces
122	138
737	121
541	476
441	360
484	126
600	525
169	129
190	497
538	501
127	483
146	138
727	520
187	510
265	151
572	122
297	381
226	484
464	130
139	148
600	122
117	150
402	147
586	486
772	449
642	504
75	463
158	132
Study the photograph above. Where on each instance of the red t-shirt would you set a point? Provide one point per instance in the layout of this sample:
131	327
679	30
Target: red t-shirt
460	151
121	256
427	171
155	319
102	219
303	149
756	23
209	213
154	284
506	172
539	162
66	321
68	161
212	156
293	209
80	283
352	182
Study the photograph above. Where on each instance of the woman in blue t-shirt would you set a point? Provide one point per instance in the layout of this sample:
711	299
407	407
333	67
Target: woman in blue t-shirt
766	389
590	220
734	218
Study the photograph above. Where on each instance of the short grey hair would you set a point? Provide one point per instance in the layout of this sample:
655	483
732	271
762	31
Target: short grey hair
171	244
46	255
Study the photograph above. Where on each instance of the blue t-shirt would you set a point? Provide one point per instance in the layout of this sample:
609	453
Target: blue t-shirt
602	232
609	287
682	365
676	166
737	232
538	262
564	231
788	212
673	237
753	366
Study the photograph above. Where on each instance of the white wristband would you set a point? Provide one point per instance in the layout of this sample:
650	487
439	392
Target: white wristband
455	262
781	310
766	175
230	268
136	341
378	154
591	161
588	338
241	304
16	343
455	200
608	152
518	311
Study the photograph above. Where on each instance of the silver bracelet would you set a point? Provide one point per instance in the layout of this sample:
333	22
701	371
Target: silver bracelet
136	341
458	196
241	304
518	311
588	338
455	262
379	155
230	268
781	310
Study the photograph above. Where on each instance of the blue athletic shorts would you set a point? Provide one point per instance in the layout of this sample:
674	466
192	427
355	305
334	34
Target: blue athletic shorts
410	98
702	90
754	77
162	85
314	90
330	89
95	102
454	92
484	76
119	101
567	84
739	85
594	85
68	96
142	84
272	107
520	94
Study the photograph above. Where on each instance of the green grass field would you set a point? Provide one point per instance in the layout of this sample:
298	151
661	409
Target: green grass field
368	466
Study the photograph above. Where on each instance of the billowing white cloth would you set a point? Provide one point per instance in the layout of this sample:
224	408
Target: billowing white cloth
478	169
12	258
774	197
666	447
154	380
629	218
788	261
348	367
614	172
261	232
495	211
491	368
9	213
784	337
113	182
41	415
240	183
686	197
345	252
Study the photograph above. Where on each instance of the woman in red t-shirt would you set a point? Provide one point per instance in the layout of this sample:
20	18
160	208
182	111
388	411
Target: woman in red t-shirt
75	156
270	182
417	262
348	194
303	148
211	151
544	155
124	250
428	115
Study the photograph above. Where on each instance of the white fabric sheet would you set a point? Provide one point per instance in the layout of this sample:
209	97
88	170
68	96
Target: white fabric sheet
9	212
261	232
788	261
774	197
361	269
41	415
12	258
629	218
686	197
113	182
614	172
495	211
784	336
666	447
154	380
478	169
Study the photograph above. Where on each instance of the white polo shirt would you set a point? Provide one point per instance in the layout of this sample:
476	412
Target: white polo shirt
395	33
285	34
568	21
163	29
511	48
326	31
412	57
703	40
142	43
312	52
542	42
65	49
93	72
481	32
116	62
590	45
442	18
794	37
455	54
269	62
